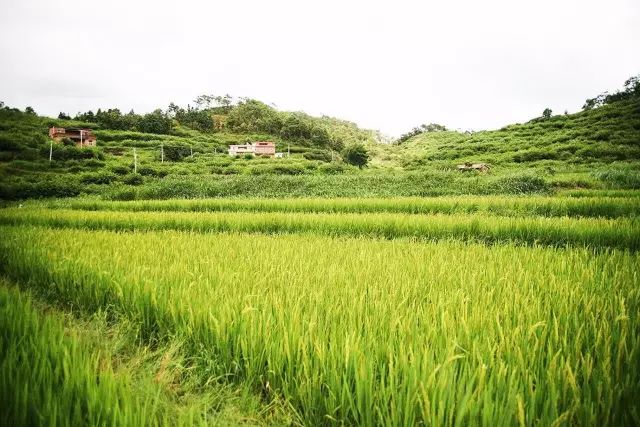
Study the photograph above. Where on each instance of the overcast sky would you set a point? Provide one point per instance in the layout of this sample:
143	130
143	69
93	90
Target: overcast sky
387	65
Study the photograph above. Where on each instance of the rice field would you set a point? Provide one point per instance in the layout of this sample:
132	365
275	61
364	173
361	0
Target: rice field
574	206
487	311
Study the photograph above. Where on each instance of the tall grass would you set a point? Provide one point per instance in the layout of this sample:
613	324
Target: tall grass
50	378
593	232
369	332
497	205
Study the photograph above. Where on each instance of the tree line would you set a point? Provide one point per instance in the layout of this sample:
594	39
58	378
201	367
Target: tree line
211	113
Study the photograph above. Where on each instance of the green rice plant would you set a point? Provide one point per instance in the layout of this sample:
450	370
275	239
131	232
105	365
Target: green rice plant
607	207
57	368
364	331
592	232
49	378
602	193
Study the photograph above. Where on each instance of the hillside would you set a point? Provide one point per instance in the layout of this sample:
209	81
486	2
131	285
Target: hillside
601	143
182	153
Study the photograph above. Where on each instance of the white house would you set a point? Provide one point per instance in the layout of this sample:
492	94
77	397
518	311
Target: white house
260	148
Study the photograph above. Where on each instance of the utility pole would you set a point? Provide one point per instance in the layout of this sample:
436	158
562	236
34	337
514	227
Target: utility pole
51	150
191	148
161	152
135	161
81	133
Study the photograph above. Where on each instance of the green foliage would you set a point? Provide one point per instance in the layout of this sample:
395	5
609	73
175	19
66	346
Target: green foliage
631	90
155	122
176	152
320	155
121	170
68	152
523	183
254	116
98	178
133	179
619	177
431	127
21	189
356	155
152	172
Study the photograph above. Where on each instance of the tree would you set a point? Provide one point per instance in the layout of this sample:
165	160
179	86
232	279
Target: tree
546	114
155	122
431	127
356	154
30	110
631	90
172	110
251	115
434	127
86	117
64	116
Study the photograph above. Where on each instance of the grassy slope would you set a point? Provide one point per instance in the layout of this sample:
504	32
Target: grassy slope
591	149
590	140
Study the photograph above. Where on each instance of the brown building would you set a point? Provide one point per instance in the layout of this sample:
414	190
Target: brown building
82	137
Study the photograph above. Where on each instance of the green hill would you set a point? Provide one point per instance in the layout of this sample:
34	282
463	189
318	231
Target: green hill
589	144
597	148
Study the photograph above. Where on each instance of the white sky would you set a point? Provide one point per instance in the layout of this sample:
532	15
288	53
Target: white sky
387	65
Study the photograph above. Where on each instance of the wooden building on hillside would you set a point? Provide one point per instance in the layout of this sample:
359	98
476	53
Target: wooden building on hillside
82	137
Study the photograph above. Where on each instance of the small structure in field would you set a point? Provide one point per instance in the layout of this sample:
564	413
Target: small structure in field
82	137
259	148
480	167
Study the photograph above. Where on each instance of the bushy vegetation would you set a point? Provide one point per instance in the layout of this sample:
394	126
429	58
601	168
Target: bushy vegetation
585	206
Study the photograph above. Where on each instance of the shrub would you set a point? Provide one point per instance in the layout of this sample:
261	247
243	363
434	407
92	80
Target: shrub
320	155
520	184
133	179
149	171
121	170
71	152
220	170
332	168
356	154
8	143
176	152
44	188
619	178
98	178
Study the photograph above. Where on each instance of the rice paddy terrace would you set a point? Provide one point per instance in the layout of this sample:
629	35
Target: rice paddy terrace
446	311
